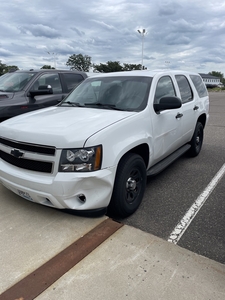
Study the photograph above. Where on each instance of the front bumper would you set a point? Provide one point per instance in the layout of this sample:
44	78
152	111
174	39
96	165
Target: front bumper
77	191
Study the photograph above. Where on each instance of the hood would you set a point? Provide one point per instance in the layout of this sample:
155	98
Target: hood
60	126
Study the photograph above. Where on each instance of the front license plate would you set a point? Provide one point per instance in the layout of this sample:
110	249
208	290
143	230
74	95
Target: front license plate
25	195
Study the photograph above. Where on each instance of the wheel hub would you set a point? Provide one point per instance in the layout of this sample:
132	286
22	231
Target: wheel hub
131	184
197	140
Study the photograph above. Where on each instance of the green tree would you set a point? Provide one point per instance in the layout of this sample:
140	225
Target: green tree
4	68
47	67
79	62
115	66
110	66
130	67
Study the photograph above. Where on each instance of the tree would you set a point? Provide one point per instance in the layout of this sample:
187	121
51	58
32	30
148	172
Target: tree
2	68
110	66
115	66
47	67
79	62
5	69
130	67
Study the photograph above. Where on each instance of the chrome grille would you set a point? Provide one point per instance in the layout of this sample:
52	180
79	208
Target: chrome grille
38	165
28	147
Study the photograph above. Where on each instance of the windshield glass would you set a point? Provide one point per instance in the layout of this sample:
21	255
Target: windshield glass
123	93
14	82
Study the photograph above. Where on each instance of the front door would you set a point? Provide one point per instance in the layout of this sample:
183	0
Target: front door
167	125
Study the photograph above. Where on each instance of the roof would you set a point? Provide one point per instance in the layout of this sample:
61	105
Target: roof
208	76
148	73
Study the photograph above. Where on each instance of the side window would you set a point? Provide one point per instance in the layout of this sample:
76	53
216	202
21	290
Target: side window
72	80
49	79
164	88
185	89
199	85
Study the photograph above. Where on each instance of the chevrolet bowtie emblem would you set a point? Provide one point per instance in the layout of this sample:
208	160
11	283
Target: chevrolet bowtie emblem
17	153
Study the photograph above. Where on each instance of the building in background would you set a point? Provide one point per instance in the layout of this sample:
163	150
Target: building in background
211	81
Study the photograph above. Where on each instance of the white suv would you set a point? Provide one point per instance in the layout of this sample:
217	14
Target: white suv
94	150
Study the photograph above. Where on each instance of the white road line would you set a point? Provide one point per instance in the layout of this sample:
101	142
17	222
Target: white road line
181	227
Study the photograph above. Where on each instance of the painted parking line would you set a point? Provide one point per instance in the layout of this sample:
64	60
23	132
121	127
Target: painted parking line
39	280
182	226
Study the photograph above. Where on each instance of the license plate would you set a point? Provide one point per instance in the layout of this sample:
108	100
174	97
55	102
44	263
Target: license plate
25	195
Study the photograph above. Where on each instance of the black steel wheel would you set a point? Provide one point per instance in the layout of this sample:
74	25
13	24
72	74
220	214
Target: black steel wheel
129	186
197	140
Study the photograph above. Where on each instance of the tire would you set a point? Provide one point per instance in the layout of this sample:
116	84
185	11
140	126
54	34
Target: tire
197	140
129	186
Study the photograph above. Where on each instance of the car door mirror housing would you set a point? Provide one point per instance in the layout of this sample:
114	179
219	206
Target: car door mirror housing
42	90
167	102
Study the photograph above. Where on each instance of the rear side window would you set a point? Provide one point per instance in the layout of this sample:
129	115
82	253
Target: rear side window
72	80
185	89
199	85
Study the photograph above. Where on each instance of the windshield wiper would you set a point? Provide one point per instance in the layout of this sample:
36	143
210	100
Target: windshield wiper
108	106
72	104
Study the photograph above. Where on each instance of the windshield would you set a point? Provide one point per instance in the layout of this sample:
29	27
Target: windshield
14	82
122	93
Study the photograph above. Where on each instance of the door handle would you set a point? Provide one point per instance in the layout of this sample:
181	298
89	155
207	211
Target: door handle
178	116
196	107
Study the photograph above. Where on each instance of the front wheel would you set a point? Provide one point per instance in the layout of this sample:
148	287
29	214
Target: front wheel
129	186
197	140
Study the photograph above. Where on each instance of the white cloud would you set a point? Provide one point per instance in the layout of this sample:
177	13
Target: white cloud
188	34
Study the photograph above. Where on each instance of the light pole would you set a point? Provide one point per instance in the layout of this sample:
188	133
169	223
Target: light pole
167	63
54	58
142	33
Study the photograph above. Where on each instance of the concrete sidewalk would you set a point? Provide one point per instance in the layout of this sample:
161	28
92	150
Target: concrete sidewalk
132	264
129	264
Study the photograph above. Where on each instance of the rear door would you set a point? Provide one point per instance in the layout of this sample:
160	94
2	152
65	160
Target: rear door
190	108
70	81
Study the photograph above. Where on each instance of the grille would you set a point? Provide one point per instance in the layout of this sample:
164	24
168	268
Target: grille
33	165
29	147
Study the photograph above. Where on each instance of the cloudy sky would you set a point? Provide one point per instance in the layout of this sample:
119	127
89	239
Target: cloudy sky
180	34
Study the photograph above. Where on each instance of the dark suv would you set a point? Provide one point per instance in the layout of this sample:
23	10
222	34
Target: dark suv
23	91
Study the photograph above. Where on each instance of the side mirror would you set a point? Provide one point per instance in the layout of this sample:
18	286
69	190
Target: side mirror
42	90
167	102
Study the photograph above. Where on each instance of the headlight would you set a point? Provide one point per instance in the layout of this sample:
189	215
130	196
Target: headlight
81	160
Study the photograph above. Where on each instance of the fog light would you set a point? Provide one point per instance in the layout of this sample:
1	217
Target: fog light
82	198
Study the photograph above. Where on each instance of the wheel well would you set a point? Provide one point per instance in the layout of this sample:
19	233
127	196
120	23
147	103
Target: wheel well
202	119
143	151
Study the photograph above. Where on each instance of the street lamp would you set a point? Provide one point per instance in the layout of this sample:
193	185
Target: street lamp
142	33
167	63
54	57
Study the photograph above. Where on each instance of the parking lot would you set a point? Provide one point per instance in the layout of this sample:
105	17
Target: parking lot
172	193
138	259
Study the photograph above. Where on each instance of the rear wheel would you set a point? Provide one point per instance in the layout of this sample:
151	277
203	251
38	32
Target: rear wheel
129	186
197	140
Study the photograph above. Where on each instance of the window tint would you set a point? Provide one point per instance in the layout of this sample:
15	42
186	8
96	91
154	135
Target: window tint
49	79
72	80
199	85
164	88
185	89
